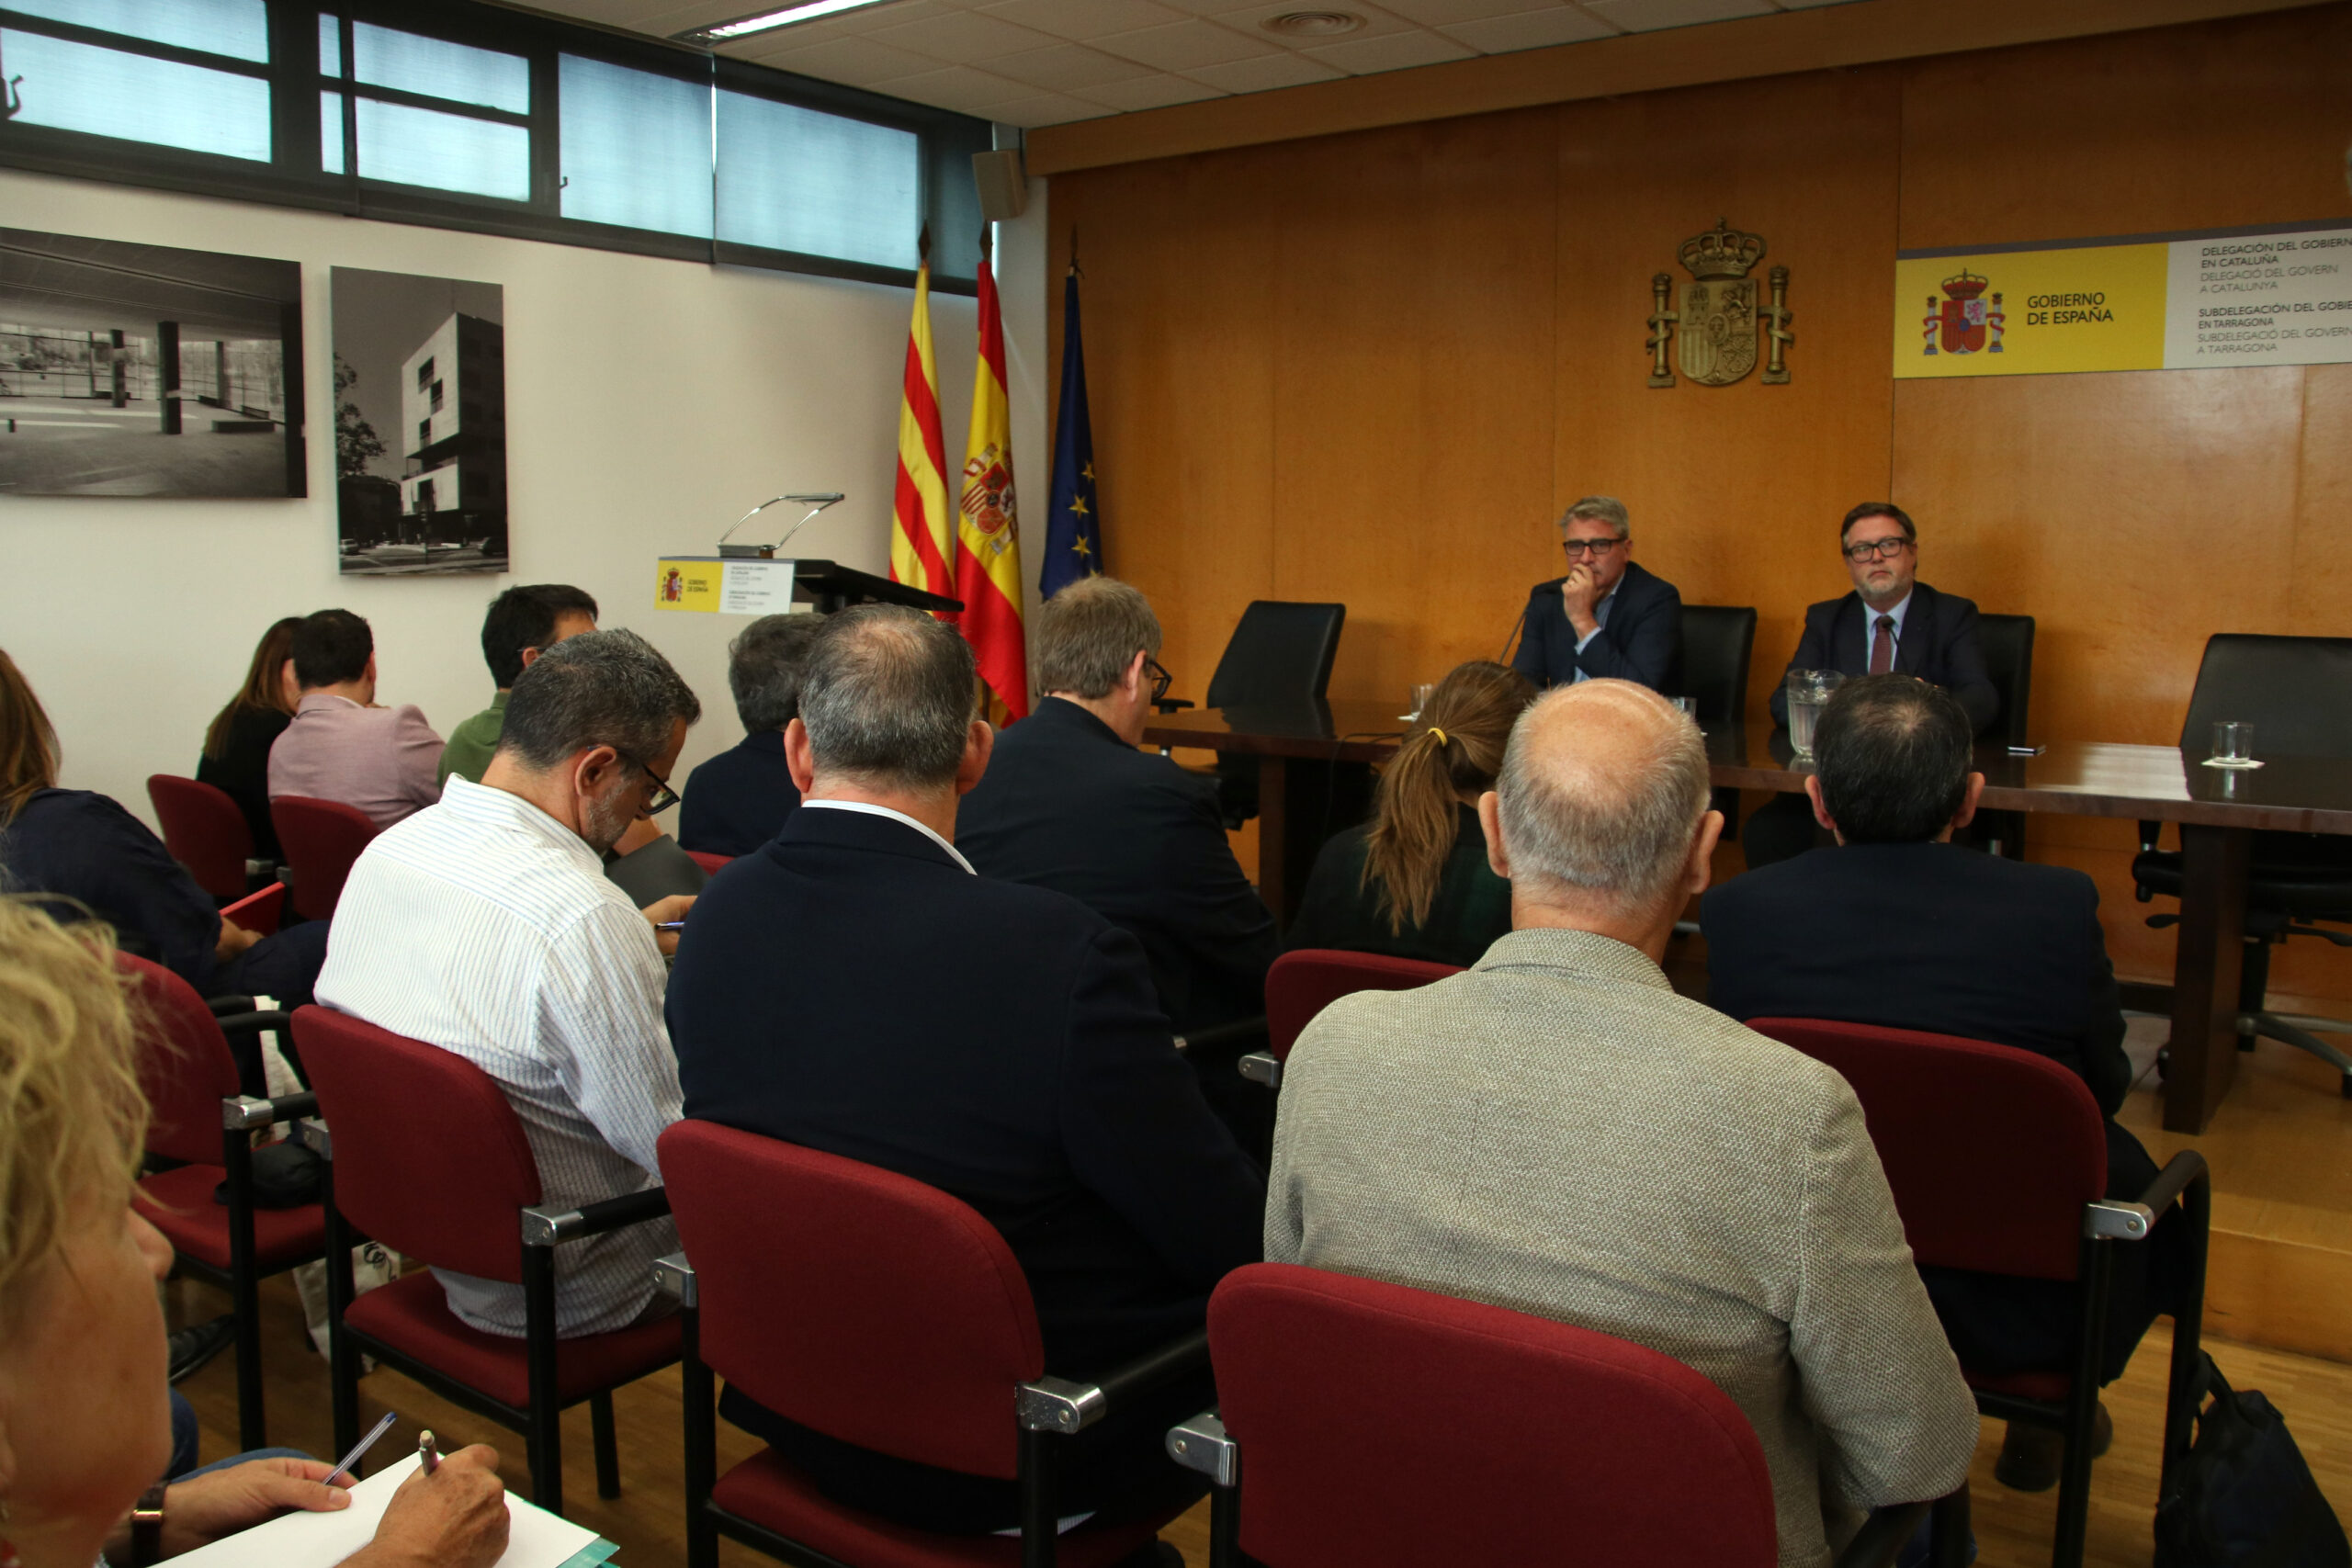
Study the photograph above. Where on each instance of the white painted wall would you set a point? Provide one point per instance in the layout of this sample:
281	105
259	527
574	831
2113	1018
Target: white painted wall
649	403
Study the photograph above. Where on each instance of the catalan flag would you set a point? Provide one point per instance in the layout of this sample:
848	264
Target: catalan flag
1073	520
922	546
987	537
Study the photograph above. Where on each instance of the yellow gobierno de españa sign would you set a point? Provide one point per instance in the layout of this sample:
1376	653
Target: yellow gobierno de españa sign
687	584
2026	312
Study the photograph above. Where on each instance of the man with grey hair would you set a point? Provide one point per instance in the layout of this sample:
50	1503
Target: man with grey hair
735	801
1607	619
1070	804
485	925
854	986
1556	1131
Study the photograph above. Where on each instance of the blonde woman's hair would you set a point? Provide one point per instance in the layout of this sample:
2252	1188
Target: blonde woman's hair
27	744
72	1120
1456	750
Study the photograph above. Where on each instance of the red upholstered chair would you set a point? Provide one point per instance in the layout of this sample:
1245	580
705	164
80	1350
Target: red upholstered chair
428	1156
1997	1160
1303	982
1368	1424
884	1313
321	840
709	862
200	1136
205	832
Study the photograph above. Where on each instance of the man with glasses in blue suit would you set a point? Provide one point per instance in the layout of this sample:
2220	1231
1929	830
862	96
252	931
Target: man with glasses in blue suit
1607	619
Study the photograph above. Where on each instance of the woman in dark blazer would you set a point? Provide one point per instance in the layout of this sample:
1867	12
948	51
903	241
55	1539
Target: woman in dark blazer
1414	882
236	747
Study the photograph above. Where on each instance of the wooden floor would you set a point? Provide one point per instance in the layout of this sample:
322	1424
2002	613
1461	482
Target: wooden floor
2013	1531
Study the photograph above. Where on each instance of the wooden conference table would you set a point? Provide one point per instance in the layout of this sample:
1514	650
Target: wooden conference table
2217	812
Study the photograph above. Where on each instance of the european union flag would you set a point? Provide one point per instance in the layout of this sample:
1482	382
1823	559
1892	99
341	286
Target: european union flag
1073	521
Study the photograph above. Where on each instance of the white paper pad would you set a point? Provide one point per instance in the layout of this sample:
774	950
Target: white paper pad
537	1539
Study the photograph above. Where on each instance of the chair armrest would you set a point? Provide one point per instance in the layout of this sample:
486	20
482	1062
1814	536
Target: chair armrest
1200	1444
551	1228
2151	834
1222	1034
1882	1536
674	1276
2184	1170
255	1022
1059	1404
2118	1220
1170	705
258	912
1262	1066
246	1113
224	1005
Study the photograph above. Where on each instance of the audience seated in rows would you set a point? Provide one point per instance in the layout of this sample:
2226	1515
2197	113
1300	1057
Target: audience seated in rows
1069	804
1414	881
1555	1131
235	759
737	800
341	746
854	987
84	1429
1897	926
484	926
523	623
86	855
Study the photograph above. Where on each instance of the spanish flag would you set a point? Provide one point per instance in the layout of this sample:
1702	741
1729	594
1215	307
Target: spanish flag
987	536
921	546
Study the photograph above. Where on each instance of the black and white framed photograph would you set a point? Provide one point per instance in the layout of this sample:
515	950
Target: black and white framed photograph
420	424
132	370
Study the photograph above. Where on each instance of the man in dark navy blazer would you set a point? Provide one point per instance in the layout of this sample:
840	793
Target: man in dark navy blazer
1070	804
1891	622
1608	618
735	802
1897	926
854	986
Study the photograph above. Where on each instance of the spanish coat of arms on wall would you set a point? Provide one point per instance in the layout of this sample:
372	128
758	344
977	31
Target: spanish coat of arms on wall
1720	314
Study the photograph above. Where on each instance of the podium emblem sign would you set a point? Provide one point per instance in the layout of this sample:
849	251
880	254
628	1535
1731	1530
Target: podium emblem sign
716	586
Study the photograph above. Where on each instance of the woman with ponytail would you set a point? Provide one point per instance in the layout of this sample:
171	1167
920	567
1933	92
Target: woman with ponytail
1414	882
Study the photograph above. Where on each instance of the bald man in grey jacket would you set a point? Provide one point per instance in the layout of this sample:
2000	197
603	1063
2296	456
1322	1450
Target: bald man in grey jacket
1556	1131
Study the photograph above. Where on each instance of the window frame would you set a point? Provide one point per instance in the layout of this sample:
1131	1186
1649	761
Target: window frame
295	177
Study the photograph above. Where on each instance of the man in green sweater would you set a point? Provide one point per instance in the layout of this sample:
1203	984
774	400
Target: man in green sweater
523	622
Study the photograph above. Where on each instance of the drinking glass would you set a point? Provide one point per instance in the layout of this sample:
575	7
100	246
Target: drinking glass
1421	695
2232	745
1809	693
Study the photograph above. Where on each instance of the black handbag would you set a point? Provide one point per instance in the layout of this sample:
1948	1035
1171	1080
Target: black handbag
2242	1498
286	1175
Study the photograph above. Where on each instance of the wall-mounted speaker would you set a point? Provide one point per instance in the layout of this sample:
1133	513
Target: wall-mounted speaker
1004	187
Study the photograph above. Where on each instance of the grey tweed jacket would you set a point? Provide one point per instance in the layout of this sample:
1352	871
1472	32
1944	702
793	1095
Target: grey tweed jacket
1556	1131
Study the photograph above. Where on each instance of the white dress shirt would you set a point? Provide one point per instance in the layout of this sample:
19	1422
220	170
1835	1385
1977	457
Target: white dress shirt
485	927
873	810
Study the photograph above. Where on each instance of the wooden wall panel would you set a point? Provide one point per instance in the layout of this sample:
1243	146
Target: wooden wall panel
1372	366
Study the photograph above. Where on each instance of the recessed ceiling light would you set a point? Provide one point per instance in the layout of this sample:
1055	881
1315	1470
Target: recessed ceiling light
1312	23
783	16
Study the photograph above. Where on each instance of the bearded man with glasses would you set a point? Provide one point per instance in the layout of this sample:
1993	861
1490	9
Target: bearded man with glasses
1607	619
1890	623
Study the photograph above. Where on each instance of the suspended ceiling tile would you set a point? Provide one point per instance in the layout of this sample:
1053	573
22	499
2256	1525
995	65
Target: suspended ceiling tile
959	88
1249	15
858	61
959	37
1265	73
1081	21
1045	108
1648	16
1451	13
1066	67
1530	30
1396	52
1149	92
1183	46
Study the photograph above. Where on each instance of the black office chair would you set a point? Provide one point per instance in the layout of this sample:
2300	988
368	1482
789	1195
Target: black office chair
2296	693
1280	655
1717	640
2007	641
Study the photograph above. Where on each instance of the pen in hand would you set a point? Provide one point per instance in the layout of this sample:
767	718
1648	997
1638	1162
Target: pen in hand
426	1454
359	1448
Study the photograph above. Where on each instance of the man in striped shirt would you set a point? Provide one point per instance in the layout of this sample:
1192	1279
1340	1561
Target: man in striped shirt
485	925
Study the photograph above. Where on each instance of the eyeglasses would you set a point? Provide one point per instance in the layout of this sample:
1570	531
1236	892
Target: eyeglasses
1160	679
1884	549
664	796
1578	548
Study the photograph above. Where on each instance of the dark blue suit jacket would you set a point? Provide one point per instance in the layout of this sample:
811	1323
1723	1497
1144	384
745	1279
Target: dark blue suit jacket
1068	805
1641	641
735	801
1938	644
848	988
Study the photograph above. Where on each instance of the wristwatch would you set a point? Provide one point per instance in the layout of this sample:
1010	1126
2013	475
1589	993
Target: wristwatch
147	1526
